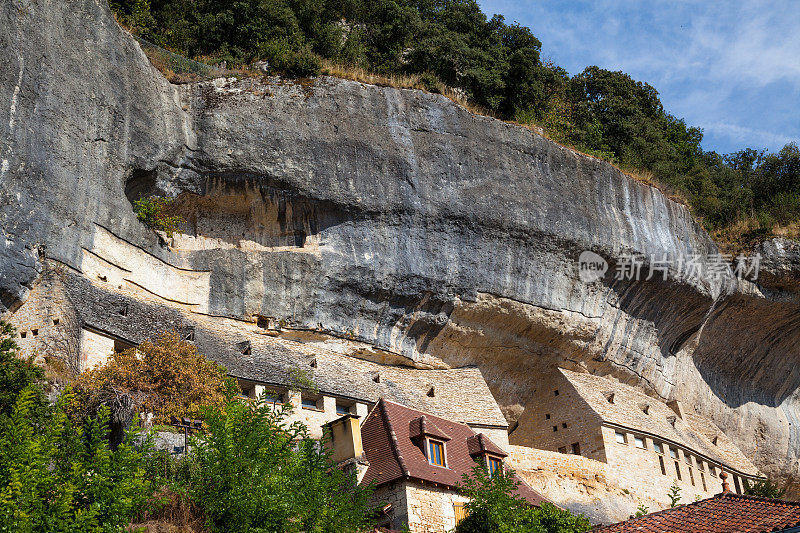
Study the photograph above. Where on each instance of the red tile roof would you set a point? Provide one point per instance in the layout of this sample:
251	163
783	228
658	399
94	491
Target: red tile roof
724	513
393	454
480	444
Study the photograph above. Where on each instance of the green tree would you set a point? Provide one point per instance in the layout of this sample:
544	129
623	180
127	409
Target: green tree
63	477
494	508
674	494
253	472
17	374
764	488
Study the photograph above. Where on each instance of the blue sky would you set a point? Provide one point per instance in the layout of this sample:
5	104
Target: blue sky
731	68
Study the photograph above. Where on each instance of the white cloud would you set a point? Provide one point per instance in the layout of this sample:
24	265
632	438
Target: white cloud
751	137
730	67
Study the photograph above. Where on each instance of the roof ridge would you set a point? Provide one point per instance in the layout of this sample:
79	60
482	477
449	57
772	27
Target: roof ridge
756	498
393	436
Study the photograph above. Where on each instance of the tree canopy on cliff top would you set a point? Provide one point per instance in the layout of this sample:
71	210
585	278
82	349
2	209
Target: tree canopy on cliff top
741	196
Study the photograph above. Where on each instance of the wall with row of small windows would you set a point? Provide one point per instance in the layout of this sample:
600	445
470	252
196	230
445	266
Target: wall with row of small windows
314	409
643	461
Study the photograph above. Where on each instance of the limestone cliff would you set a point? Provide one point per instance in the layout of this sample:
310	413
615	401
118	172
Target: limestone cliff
390	217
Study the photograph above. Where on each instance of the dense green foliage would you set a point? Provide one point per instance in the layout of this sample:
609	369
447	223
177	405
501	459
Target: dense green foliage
253	472
248	472
497	66
16	374
494	508
63	477
764	488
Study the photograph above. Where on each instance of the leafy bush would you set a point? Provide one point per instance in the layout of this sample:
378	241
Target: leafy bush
253	472
494	508
17	374
674	494
167	377
764	488
63	477
153	212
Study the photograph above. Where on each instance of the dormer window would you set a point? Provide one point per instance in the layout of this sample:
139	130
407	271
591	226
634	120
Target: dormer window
436	452
494	464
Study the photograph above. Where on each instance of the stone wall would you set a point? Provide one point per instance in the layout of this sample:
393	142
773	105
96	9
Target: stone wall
580	484
639	469
314	417
558	418
424	508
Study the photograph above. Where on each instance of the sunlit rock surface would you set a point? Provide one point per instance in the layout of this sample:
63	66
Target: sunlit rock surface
376	217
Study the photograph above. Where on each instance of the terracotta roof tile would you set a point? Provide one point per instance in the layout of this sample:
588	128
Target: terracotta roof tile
393	454
480	443
724	513
422	427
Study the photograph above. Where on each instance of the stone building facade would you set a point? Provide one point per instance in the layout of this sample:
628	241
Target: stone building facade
416	485
95	318
648	443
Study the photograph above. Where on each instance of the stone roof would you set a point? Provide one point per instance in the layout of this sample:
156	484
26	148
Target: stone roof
250	353
724	513
628	410
393	454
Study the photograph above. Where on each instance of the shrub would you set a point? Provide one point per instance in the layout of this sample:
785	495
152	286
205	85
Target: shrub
764	488
17	374
153	212
167	377
494	508
63	477
253	472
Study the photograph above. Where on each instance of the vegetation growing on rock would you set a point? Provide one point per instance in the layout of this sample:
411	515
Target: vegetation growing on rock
749	194
154	213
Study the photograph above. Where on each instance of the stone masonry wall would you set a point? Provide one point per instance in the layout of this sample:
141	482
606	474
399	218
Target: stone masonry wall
557	418
639	469
431	509
424	508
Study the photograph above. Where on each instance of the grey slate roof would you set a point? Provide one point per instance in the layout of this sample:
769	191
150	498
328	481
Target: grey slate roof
693	431
458	394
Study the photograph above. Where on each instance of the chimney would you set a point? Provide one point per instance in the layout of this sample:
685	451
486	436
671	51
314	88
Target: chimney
345	439
676	406
726	488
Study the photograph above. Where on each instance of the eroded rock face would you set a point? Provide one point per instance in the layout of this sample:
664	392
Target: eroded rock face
387	216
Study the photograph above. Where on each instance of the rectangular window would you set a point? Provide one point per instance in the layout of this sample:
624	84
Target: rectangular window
678	470
495	465
657	447
673	452
547	417
342	409
703	480
310	403
639	442
576	448
712	470
691	476
700	465
436	452
687	458
661	463
555	428
736	485
621	438
271	396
